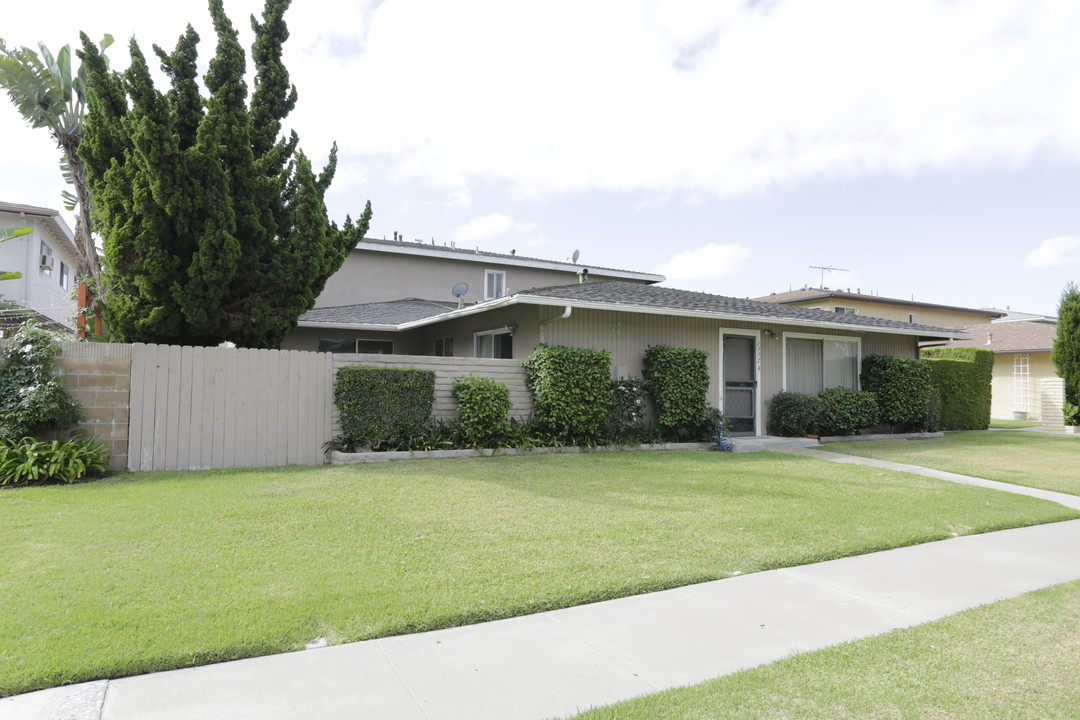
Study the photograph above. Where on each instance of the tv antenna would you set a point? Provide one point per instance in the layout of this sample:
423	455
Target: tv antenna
459	291
824	269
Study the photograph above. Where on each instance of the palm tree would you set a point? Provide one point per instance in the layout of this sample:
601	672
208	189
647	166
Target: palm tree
48	95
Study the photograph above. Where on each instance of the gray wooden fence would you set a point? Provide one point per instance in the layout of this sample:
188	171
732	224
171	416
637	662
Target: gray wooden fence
195	408
199	408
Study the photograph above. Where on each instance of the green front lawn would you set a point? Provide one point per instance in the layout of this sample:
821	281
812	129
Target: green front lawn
1013	424
1016	658
1039	460
153	571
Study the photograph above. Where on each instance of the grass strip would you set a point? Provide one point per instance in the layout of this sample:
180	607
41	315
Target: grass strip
1017	658
154	571
1031	459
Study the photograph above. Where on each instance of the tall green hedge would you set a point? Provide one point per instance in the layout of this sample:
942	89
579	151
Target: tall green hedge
902	388
678	380
380	404
571	390
1066	350
961	377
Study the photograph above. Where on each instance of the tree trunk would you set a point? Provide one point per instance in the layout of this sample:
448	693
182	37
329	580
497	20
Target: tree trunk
87	264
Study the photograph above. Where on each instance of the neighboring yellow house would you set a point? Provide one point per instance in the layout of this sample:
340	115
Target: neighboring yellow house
855	303
1021	360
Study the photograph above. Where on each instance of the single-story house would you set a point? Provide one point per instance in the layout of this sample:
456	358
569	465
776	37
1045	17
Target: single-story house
755	349
1021	360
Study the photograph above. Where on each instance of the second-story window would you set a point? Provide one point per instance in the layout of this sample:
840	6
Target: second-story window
494	284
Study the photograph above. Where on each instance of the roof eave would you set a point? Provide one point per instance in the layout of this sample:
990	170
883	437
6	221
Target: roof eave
916	331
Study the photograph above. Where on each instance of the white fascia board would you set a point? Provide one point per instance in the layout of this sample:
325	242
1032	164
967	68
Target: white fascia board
407	248
646	310
348	326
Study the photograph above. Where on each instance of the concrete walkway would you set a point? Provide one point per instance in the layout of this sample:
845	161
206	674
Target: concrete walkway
556	663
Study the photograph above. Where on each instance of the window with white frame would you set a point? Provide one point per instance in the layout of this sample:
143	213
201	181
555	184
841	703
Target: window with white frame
1022	382
494	284
911	318
47	260
845	310
65	278
813	363
498	343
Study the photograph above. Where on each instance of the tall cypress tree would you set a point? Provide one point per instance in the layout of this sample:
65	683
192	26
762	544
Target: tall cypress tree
213	224
1066	350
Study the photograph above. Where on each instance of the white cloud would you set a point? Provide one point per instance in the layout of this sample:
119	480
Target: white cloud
489	227
707	261
655	96
1062	250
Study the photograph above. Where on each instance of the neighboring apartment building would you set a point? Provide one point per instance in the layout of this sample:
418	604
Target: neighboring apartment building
395	281
46	260
855	303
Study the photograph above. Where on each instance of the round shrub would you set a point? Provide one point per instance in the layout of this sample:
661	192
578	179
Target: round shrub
793	414
846	412
32	393
483	405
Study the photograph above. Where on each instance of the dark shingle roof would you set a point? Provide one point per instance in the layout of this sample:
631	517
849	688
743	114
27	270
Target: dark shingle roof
394	312
1010	337
631	294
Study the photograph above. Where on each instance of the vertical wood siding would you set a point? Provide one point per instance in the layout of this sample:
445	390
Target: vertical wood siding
199	408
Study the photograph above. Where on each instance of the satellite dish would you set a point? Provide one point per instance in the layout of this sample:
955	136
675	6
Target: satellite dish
459	291
577	254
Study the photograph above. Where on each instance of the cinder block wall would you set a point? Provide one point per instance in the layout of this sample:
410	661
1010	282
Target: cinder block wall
1052	400
98	375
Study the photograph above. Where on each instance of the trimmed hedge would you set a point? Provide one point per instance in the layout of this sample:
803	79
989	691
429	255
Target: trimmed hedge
793	414
961	377
379	404
571	390
902	389
483	405
846	412
678	380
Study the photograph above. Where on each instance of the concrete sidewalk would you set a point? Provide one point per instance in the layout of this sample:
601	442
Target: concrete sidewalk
555	663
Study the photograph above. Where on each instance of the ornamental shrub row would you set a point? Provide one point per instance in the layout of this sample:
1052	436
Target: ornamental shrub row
837	411
483	406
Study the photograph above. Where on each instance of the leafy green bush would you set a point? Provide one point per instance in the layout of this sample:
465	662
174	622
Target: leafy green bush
379	405
846	412
962	379
902	388
32	394
678	380
483	405
29	461
571	390
793	414
629	405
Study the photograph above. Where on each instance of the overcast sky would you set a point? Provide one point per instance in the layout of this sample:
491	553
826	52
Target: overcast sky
925	149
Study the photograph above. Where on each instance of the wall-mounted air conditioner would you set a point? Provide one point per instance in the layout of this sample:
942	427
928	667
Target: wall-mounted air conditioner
46	262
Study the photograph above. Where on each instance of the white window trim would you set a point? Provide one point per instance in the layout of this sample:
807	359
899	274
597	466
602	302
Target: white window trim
846	310
756	334
504	330
489	273
811	336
